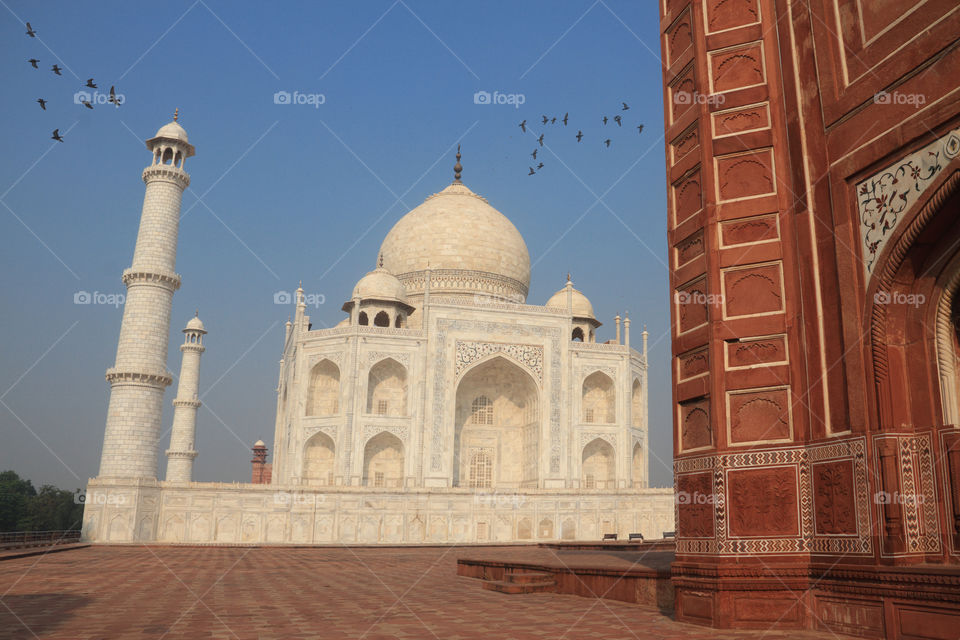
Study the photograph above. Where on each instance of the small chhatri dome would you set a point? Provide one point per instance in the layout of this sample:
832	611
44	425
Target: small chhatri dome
172	131
380	284
580	303
195	324
258	444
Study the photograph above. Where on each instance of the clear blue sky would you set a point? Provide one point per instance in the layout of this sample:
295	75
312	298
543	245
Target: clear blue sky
284	192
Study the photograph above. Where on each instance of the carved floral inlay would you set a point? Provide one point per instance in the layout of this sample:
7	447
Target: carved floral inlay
883	198
531	356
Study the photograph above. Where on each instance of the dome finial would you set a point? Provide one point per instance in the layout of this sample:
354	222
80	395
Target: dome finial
457	168
176	114
380	260
568	276
196	313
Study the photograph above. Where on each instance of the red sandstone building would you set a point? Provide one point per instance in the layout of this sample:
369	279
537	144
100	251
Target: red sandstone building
813	160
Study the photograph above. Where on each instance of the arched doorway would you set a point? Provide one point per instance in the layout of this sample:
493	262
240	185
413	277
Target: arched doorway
318	460
387	389
598	399
383	461
497	427
323	394
598	470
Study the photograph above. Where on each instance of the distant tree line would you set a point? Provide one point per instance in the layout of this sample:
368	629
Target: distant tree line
23	508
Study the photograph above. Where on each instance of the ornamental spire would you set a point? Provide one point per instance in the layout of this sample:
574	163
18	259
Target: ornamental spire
457	168
176	114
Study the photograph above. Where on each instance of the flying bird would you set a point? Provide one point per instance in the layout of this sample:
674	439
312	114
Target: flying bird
565	116
553	120
56	135
604	119
540	166
625	107
579	135
534	154
607	142
113	97
545	119
86	103
531	172
42	103
90	83
639	128
523	125
56	70
540	139
34	62
617	120
30	31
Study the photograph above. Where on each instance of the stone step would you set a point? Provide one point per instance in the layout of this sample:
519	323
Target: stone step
502	586
527	578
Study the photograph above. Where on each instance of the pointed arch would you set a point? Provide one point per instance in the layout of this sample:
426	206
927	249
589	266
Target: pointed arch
598	467
497	412
636	403
383	458
323	392
387	388
638	475
319	455
599	399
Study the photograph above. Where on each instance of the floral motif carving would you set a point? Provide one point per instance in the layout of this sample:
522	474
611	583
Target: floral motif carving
530	356
883	198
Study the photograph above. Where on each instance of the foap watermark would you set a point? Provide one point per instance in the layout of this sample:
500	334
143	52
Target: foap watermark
115	300
883	497
486	299
485	97
497	499
299	97
899	298
695	97
697	297
299	499
697	497
98	97
310	299
896	97
99	497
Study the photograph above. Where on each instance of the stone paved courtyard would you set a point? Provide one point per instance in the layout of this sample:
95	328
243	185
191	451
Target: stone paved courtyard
329	593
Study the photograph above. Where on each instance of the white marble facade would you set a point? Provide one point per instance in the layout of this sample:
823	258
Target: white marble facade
443	408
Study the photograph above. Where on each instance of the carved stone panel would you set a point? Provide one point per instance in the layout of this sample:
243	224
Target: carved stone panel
695	500
689	248
834	497
763	502
740	120
750	352
730	14
759	415
753	230
751	291
692	364
691	302
679	37
737	67
695	430
745	175
687	196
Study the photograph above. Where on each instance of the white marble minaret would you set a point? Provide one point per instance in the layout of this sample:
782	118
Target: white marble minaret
138	379
183	434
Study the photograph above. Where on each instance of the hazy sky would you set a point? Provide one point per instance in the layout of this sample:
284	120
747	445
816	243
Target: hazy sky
283	192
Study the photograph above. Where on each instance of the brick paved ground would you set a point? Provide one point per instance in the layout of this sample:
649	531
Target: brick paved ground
328	593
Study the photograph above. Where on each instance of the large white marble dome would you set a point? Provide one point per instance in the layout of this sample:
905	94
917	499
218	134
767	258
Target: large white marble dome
469	246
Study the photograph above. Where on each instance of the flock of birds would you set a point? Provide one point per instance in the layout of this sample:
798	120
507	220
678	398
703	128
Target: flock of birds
57	70
545	120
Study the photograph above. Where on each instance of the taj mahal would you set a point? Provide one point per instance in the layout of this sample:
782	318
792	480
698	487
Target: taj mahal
442	408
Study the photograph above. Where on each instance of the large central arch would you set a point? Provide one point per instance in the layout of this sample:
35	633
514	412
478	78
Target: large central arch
496	439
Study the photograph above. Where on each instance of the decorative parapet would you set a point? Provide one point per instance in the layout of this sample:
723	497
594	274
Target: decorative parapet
166	279
148	379
166	172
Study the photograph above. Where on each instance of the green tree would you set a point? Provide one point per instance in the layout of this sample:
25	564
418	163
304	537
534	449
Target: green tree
23	508
15	492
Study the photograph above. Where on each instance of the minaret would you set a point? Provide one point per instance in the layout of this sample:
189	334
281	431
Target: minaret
626	329
617	322
139	376
183	434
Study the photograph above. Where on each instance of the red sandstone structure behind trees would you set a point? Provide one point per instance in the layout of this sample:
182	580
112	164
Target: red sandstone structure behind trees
813	160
